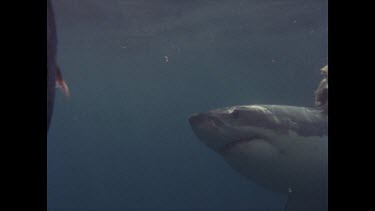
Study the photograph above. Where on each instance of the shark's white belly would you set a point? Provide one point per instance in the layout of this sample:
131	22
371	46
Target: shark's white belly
296	162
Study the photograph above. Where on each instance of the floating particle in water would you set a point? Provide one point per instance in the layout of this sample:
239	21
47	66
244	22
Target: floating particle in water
166	59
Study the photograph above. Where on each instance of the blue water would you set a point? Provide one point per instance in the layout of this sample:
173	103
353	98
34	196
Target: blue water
122	140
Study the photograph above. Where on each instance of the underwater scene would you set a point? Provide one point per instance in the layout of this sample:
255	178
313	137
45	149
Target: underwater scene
187	105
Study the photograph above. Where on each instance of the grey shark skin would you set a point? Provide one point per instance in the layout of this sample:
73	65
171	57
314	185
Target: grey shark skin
51	61
282	148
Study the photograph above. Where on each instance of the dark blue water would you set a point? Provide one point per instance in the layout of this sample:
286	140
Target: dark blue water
122	141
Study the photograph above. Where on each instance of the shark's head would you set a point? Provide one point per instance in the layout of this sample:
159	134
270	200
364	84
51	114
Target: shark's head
277	146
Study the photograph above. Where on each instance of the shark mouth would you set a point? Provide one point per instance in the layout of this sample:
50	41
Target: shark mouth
227	147
216	125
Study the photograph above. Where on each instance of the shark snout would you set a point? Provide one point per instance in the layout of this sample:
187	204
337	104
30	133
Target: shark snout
222	131
197	118
206	120
209	129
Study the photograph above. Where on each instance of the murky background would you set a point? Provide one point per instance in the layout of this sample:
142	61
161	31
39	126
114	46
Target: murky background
122	140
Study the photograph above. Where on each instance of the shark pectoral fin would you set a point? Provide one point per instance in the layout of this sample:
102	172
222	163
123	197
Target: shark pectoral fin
60	83
297	202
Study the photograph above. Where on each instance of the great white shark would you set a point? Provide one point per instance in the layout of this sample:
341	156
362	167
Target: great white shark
283	148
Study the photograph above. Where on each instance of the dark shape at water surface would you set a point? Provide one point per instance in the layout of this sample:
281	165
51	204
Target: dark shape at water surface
54	76
283	148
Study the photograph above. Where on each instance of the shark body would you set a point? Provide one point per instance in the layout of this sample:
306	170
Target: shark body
282	148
